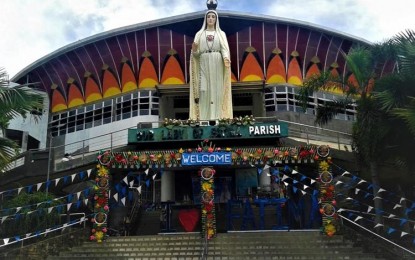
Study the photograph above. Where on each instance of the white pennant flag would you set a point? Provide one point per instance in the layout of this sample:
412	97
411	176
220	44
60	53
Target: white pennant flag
116	197
294	172
377	197
65	225
362	181
284	177
73	176
19	190
68	206
381	190
89	172
268	174
397	206
139	190
403	234
146	171
391	216
154	176
402	199
50	210
6	240
369	209
286	183
131	183
340	210
125	180
356	191
78	195
83	219
266	167
47	231
305	186
3	219
339	182
28	235
358	218
18	209
123	201
86	202
312	181
39	185
345	173
57	181
303	192
378	225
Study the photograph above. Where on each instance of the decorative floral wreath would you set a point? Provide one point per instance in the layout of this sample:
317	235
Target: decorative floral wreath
323	151
97	217
329	210
207	197
326	177
207	173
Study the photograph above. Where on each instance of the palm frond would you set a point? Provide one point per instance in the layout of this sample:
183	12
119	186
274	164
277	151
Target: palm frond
326	112
407	114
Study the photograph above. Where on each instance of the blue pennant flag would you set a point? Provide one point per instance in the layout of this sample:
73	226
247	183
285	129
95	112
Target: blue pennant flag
367	195
29	189
130	196
118	187
354	178
37	233
65	179
303	178
78	204
350	215
370	186
408	211
391	230
403	221
138	178
148	183
86	192
48	183
124	191
130	173
17	238
259	171
286	168
275	171
315	192
295	181
69	198
81	175
17	216
413	205
295	189
59	208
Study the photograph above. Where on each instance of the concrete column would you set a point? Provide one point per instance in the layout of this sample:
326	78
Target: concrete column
168	186
265	180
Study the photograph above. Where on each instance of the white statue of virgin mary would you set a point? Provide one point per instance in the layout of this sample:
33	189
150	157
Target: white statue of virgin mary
210	72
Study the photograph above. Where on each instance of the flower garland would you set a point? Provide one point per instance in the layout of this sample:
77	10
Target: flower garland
240	156
207	203
327	192
101	208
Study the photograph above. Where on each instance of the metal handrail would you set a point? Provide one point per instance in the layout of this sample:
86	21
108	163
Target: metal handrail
379	236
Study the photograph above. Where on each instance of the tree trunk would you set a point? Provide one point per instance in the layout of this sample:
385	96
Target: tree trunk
378	202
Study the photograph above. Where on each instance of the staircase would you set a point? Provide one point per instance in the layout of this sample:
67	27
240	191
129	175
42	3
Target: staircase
235	245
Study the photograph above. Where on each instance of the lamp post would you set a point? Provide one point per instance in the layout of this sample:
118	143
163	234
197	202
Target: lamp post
49	163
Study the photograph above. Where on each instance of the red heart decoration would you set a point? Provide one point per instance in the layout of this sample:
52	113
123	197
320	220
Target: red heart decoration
189	218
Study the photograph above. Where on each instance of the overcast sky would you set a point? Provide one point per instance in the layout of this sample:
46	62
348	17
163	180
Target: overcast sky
32	29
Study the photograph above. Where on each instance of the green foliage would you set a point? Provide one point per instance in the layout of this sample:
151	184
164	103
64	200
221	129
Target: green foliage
33	215
14	102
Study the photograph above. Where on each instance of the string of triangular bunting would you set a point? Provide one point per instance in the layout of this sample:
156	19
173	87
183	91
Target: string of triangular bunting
45	184
18	238
69	197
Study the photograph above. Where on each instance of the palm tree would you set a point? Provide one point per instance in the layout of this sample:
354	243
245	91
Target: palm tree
14	102
370	131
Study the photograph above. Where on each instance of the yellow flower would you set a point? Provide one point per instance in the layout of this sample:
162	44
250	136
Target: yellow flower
324	166
206	186
181	150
